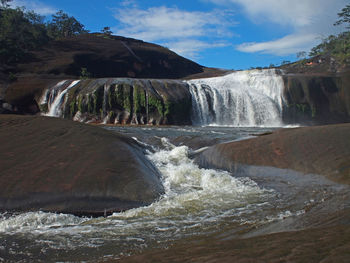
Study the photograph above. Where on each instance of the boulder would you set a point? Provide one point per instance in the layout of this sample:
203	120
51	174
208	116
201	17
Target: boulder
323	150
57	165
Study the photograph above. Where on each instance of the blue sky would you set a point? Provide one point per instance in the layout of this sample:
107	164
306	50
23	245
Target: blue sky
231	34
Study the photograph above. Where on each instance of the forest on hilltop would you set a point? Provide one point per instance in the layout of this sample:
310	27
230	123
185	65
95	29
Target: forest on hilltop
22	31
337	46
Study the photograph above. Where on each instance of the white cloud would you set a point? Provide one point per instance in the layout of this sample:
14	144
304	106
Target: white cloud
191	47
37	6
308	21
287	12
287	45
160	23
129	3
182	31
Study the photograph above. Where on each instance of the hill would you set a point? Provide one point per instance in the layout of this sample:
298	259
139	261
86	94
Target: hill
322	64
106	56
92	55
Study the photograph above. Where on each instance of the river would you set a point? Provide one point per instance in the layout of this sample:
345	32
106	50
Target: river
197	202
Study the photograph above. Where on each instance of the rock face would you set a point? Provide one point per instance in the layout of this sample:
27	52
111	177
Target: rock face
107	56
62	166
323	150
119	101
319	99
294	246
308	99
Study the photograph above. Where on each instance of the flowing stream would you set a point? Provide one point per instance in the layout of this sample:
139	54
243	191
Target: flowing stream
196	202
244	98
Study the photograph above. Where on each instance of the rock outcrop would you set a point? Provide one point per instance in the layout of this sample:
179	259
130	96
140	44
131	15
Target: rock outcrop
308	99
317	99
323	150
101	56
119	101
58	165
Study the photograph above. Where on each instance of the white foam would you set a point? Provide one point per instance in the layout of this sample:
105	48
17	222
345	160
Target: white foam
241	99
57	98
194	192
42	221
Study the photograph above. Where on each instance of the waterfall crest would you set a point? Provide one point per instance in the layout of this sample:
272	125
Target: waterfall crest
55	98
243	98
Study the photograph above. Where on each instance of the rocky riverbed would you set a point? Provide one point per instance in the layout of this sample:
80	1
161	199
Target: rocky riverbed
286	196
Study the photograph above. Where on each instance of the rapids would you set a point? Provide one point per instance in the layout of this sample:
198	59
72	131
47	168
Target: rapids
196	202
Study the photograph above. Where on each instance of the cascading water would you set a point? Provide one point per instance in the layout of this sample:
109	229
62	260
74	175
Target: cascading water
244	98
196	202
55	97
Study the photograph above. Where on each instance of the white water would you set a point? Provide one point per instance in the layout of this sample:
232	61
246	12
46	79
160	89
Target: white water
55	98
196	202
244	98
193	197
194	193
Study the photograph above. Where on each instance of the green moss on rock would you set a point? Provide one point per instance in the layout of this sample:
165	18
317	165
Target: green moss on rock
98	100
155	105
177	112
72	108
90	103
139	99
44	107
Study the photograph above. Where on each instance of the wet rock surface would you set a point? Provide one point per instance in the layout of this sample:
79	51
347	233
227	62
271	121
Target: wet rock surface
58	165
316	99
328	244
323	150
321	234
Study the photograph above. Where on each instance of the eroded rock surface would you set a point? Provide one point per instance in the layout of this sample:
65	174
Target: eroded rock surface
61	166
323	150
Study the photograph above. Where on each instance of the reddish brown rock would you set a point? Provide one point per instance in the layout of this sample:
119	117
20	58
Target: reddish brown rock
329	244
62	166
323	150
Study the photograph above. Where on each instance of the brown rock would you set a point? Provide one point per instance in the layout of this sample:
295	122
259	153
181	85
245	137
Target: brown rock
329	244
323	150
62	166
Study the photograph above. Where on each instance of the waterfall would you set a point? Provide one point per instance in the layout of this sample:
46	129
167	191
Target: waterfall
55	97
243	98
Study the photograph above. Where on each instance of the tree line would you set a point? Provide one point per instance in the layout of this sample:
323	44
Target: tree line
22	31
337	46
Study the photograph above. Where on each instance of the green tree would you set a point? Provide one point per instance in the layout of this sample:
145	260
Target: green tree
301	55
336	46
84	73
4	3
285	62
344	17
20	32
63	25
106	31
